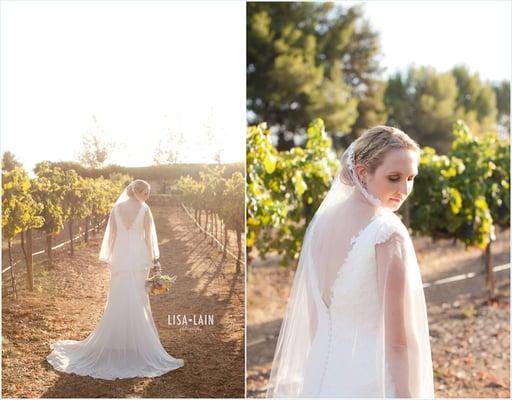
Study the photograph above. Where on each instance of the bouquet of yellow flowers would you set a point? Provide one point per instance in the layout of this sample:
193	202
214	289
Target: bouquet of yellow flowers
159	284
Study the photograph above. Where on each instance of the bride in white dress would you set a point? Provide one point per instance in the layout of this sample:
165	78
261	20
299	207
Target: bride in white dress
125	342
356	322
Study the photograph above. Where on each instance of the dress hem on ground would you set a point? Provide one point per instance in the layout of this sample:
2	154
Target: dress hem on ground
53	359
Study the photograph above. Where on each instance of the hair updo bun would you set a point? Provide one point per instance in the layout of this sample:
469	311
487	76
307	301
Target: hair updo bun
138	186
371	147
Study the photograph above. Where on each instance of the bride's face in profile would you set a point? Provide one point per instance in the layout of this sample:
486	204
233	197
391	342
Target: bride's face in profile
393	180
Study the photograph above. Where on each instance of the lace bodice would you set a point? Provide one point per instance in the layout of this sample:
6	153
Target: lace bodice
345	344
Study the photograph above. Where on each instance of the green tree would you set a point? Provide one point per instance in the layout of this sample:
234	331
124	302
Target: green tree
464	194
19	212
502	91
423	104
104	194
426	103
311	59
49	190
74	205
232	212
213	183
192	193
9	161
223	201
285	188
476	101
87	199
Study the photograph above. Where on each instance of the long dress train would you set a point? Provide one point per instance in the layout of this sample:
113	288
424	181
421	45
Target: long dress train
125	342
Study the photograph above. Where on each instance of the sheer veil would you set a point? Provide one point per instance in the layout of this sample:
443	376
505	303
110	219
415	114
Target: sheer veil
350	222
107	244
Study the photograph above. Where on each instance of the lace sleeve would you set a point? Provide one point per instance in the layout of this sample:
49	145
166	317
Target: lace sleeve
388	227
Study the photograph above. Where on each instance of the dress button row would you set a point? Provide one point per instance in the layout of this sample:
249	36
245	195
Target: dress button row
328	352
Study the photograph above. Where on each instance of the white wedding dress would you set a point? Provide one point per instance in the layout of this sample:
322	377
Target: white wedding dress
356	322
125	342
344	351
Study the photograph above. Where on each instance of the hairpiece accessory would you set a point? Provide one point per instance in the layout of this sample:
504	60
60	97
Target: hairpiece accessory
361	186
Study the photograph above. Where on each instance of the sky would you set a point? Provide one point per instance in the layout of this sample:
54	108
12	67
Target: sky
139	69
442	34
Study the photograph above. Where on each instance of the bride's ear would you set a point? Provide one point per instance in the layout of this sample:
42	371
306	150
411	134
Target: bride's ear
361	172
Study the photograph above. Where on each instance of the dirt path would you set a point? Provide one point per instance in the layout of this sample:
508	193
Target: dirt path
469	338
70	300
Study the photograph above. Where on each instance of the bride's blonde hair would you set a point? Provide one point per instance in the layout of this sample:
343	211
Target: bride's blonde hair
371	147
137	185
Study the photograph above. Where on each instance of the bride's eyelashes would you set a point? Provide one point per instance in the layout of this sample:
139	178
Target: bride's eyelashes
396	178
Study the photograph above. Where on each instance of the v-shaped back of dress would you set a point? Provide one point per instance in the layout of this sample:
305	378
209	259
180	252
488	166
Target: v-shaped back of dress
339	324
333	248
346	332
136	222
131	249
